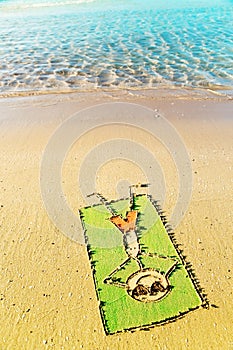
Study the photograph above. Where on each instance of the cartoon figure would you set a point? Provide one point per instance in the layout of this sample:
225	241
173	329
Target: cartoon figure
146	284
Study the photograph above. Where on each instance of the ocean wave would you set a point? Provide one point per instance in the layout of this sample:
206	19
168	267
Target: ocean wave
87	47
14	5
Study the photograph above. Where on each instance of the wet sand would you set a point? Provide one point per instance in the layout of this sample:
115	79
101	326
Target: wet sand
47	296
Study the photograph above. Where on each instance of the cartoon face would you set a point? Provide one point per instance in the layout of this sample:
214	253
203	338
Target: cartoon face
148	285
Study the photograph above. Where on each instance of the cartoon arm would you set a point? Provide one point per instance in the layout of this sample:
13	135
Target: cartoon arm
110	278
168	268
172	268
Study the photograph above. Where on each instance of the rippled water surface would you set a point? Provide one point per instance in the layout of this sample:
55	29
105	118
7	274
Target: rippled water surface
66	45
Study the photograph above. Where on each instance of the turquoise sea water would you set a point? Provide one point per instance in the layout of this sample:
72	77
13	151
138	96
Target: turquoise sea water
64	45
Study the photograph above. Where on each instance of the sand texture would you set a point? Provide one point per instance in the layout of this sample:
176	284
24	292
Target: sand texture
47	293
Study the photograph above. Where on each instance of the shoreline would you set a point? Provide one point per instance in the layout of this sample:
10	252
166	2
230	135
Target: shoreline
159	92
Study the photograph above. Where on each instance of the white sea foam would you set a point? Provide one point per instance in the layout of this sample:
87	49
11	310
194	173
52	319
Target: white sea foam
160	4
14	5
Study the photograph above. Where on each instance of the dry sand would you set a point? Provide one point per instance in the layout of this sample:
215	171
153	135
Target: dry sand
47	296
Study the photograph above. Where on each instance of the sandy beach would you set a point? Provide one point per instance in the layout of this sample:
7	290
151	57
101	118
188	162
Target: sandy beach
48	298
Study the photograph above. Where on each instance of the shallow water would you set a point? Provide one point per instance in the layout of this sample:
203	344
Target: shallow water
67	45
